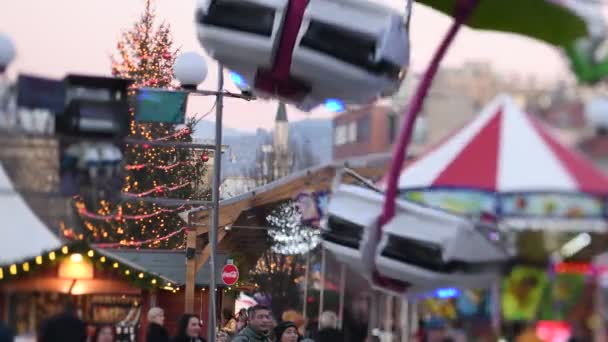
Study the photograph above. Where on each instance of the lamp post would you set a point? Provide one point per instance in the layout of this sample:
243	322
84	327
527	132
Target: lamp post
190	69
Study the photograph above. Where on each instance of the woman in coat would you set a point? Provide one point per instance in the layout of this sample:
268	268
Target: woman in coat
189	329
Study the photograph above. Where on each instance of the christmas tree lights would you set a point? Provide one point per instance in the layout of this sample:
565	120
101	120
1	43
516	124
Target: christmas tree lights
145	54
288	233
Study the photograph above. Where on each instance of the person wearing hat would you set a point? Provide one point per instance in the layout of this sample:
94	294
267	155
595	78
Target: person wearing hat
286	332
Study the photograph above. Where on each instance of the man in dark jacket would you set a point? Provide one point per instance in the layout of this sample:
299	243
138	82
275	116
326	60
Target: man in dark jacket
258	328
65	327
156	331
328	331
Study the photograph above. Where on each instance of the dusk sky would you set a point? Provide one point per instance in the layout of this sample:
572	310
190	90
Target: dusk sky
56	37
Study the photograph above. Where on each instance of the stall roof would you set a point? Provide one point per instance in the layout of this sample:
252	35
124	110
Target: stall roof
169	264
24	235
318	178
250	209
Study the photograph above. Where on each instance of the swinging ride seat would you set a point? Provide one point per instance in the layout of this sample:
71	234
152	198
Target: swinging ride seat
423	247
307	52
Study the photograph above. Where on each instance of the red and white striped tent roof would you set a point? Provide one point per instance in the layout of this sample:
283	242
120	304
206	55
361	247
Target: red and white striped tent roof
504	150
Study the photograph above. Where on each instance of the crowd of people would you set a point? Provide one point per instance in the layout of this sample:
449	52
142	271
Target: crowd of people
256	324
68	327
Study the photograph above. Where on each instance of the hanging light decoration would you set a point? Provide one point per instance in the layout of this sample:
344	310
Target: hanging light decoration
288	233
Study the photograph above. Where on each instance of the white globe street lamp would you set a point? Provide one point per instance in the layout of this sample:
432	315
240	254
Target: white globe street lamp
190	69
7	52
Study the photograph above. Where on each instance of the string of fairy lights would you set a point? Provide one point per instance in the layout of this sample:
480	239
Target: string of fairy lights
118	216
159	189
69	234
140	243
145	55
80	254
83	254
170	167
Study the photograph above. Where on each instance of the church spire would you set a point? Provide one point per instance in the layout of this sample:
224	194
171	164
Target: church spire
281	113
281	142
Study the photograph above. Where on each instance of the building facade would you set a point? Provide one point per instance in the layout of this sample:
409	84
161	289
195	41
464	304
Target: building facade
364	131
456	97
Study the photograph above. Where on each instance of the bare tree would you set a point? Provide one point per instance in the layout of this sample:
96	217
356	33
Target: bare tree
271	165
276	276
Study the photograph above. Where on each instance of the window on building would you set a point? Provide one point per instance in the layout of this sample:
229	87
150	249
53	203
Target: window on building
393	126
340	135
352	132
420	133
363	130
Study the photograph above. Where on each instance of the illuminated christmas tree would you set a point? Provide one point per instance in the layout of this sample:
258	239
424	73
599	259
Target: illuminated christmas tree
289	235
146	55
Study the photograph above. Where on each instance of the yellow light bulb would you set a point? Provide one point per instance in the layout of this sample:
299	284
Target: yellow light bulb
141	276
153	281
65	250
13	269
91	253
26	266
127	272
39	260
52	256
115	265
1	273
102	259
76	258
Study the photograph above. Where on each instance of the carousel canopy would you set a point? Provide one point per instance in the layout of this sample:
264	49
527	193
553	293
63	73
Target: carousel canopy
23	233
504	150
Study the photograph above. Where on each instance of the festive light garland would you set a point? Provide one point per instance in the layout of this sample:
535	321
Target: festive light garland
120	217
140	243
78	252
179	133
160	167
159	189
68	233
146	56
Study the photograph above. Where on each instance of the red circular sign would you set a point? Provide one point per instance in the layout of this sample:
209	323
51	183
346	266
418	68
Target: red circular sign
230	274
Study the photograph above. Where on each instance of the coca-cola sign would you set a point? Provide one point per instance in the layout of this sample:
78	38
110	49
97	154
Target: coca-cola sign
230	274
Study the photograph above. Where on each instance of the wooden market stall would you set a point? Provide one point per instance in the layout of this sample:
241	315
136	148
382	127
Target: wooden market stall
250	209
39	273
